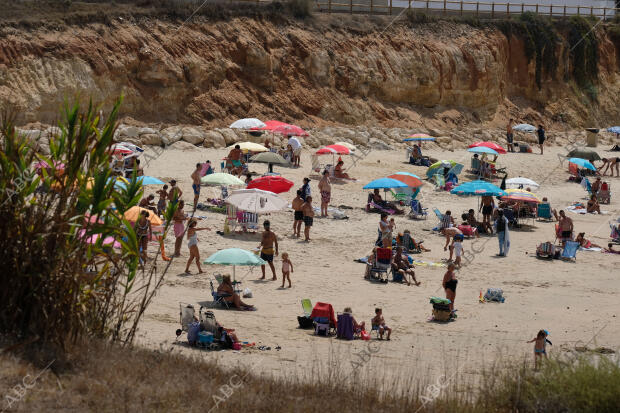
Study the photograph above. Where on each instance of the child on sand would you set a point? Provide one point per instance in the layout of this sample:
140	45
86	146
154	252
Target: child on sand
379	322
540	348
457	247
287	269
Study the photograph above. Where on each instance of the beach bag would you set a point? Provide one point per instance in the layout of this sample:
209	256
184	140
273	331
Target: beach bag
441	315
225	340
305	322
247	293
365	335
494	294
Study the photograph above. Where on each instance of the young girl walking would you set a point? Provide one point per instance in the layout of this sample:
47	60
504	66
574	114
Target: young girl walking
287	269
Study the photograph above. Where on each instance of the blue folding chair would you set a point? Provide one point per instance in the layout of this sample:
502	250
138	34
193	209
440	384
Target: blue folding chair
417	210
544	211
570	250
219	298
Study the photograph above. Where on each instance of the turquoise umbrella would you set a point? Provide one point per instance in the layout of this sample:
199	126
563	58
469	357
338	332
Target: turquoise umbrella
583	163
385	183
483	149
234	257
478	188
144	180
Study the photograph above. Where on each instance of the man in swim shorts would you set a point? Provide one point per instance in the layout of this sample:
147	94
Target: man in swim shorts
297	205
566	227
175	192
487	204
308	216
196	183
267	243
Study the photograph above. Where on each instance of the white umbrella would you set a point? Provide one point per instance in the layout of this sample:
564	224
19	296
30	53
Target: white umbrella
256	201
524	127
521	182
247	123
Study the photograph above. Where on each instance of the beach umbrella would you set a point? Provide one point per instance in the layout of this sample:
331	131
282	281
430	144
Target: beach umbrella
385	183
524	127
348	145
275	184
234	257
584	154
478	188
614	129
131	147
411	180
334	150
249	146
121	150
269	157
256	201
582	163
483	149
133	213
455	168
271	125
221	179
520	182
95	237
290	130
521	195
144	180
491	145
247	123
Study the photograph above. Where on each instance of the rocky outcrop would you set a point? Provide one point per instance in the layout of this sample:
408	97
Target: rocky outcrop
324	73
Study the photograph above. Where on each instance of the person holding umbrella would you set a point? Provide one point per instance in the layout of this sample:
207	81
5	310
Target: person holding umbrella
267	251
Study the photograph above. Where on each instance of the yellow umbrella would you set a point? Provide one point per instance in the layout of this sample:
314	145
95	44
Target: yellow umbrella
133	214
249	146
521	195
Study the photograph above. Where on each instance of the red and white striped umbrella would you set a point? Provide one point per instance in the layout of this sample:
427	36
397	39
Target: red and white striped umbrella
334	150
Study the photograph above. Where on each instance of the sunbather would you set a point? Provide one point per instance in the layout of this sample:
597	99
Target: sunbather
610	249
357	327
470	219
401	264
593	205
585	243
339	173
226	287
377	199
413	244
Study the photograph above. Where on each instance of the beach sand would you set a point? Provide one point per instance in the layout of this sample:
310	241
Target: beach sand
576	301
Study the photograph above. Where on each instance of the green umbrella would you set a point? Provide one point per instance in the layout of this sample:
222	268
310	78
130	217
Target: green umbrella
234	257
222	179
584	154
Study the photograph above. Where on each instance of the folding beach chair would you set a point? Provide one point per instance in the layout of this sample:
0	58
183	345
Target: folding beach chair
231	217
305	321
417	211
218	298
544	211
408	246
247	220
383	263
604	193
570	250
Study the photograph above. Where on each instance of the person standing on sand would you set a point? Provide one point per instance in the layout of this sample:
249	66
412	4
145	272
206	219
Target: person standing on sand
509	136
449	285
298	218
179	228
267	251
144	233
305	189
196	183
503	234
541	137
161	204
192	244
487	204
326	192
175	192
308	216
566	227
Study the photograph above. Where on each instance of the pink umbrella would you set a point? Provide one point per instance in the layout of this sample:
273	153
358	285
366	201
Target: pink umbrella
334	150
93	239
491	145
290	130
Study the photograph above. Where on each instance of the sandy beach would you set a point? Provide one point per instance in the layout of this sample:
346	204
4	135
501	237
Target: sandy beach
576	301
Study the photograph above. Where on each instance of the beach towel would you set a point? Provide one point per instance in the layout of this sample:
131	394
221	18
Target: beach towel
429	263
595	249
345	326
579	208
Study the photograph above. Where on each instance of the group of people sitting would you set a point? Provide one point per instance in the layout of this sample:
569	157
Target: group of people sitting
483	167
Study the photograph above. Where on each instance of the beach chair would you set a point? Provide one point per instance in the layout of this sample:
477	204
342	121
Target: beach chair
325	322
218	299
382	265
475	166
231	217
375	329
604	193
186	318
570	250
305	321
417	211
371	206
544	211
615	232
510	216
345	328
247	220
545	250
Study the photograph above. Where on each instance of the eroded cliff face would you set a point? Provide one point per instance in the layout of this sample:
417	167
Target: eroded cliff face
215	72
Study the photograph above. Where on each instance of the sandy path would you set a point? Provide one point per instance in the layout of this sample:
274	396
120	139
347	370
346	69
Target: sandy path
572	300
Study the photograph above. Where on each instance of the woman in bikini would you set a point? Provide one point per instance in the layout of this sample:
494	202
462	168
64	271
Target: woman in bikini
192	244
593	205
144	232
585	243
449	284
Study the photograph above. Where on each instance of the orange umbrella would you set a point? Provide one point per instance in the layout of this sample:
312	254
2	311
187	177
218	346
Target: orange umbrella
411	181
133	214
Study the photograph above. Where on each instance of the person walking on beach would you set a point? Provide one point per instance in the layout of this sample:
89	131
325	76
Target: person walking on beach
305	189
541	137
298	217
192	244
540	348
196	183
161	204
487	204
326	192
449	285
175	192
287	269
178	218
144	232
566	227
503	235
509	136
267	252
308	217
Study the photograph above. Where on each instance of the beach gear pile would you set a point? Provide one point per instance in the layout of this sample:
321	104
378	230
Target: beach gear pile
441	308
494	294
